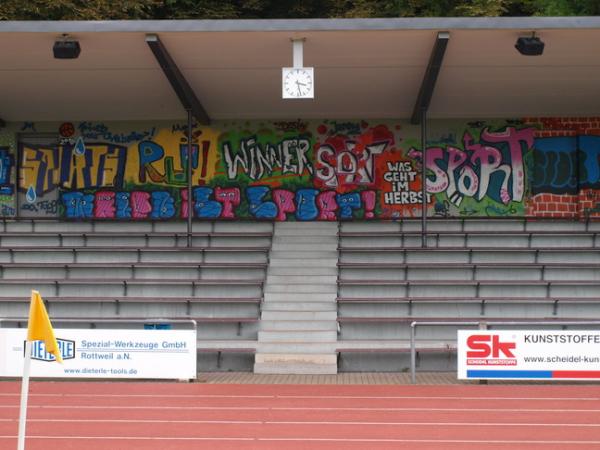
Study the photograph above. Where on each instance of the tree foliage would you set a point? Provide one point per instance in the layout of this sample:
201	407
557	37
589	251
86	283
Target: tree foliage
77	9
270	9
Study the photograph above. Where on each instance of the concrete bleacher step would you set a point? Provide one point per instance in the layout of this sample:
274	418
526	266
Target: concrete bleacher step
303	306
297	363
308	270
493	225
284	347
58	226
301	255
301	279
301	288
298	324
575	256
296	336
308	261
295	314
556	225
294	239
580	273
303	244
287	297
301	229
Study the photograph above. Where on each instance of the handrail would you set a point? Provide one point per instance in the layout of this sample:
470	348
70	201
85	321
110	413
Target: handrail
107	320
483	324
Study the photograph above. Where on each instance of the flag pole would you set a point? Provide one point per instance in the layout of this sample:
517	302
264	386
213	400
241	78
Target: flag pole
24	396
39	328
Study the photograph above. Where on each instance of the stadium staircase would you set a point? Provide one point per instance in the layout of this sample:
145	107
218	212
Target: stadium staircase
298	329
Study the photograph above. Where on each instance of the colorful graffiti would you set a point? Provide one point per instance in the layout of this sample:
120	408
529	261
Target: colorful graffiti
47	168
290	156
305	170
345	162
6	167
7	188
491	168
214	203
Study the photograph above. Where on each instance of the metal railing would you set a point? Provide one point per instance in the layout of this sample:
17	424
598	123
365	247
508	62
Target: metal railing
93	321
481	325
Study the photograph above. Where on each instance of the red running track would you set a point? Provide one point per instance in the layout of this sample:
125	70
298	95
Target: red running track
170	416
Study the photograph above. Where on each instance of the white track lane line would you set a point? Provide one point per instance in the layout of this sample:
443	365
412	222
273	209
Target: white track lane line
328	397
301	439
308	408
268	408
310	422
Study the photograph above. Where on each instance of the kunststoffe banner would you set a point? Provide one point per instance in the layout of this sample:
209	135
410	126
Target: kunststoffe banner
153	354
528	355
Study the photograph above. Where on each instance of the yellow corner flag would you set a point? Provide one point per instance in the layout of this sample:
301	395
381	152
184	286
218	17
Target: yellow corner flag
40	328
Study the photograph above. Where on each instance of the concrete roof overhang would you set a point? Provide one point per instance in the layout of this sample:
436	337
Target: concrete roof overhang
364	68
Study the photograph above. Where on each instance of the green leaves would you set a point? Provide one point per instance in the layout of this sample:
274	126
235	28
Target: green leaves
77	9
272	9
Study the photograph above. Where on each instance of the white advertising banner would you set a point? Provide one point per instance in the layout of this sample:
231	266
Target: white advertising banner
92	353
529	355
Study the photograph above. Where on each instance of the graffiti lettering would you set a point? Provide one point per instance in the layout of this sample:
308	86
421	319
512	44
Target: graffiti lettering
48	207
400	175
120	205
105	205
99	131
496	172
212	203
555	165
290	156
346	127
7	210
590	149
229	197
7	187
182	127
297	125
163	205
6	165
45	168
78	205
152	155
346	166
258	207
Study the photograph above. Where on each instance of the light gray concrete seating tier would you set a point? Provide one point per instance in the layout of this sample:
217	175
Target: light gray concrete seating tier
471	270
129	271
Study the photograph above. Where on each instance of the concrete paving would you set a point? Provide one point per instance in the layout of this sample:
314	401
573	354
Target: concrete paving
340	378
366	378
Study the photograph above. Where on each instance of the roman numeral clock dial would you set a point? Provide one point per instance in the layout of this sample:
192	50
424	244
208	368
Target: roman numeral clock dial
298	82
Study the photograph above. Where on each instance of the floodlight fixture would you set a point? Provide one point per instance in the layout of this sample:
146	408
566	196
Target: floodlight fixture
530	45
66	47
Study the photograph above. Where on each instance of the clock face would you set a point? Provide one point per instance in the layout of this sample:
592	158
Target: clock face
298	82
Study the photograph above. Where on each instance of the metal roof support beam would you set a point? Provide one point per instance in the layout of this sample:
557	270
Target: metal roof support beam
186	95
430	77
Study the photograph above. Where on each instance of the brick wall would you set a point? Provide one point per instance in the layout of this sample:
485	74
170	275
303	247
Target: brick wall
564	126
562	206
570	206
589	203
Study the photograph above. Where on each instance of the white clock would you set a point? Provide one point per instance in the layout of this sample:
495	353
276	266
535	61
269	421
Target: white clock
298	82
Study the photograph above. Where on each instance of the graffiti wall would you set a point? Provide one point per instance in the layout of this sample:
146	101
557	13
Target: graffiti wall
304	170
